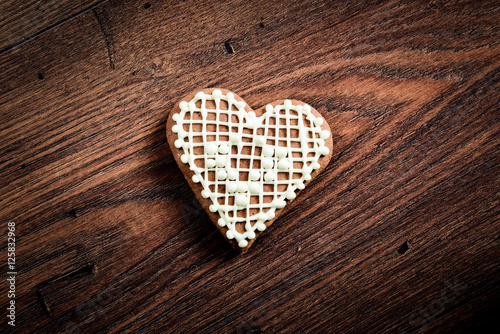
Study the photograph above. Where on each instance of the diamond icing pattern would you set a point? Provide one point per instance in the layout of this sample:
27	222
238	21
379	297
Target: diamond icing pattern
248	165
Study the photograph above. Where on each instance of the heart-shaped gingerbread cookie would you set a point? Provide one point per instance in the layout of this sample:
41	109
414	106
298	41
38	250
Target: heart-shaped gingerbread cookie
244	165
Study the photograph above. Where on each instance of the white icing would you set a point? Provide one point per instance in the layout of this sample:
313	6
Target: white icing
211	149
281	152
254	174
219	155
210	163
268	151
223	148
267	163
284	165
241	200
270	176
232	174
254	187
241	187
221	174
231	187
221	161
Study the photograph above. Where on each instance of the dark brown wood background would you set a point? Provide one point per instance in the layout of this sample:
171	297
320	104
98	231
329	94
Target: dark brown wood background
399	234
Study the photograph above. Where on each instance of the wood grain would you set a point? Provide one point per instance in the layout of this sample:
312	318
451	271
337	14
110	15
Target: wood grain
23	21
398	234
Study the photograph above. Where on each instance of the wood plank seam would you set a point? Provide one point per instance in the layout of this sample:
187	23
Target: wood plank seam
55	25
103	21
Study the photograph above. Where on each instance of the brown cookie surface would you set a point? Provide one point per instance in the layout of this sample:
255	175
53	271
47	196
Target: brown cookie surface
245	165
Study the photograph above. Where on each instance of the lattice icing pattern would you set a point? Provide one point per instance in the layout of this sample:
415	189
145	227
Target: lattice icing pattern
248	165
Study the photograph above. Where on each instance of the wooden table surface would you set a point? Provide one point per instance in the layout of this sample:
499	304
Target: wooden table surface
400	233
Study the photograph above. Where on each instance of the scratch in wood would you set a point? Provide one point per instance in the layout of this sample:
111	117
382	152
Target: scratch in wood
88	269
403	248
345	150
72	213
228	46
41	301
103	21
